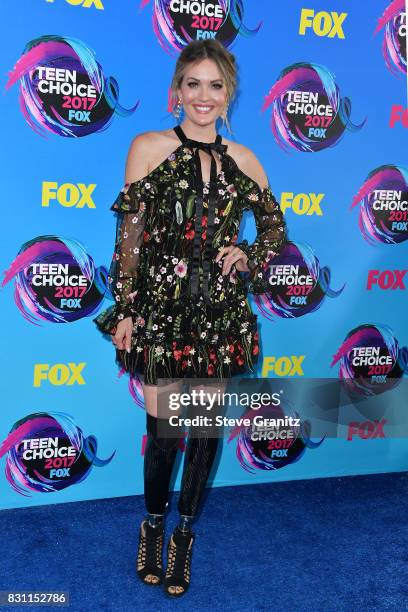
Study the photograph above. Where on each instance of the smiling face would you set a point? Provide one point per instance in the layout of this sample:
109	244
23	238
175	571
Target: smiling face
203	92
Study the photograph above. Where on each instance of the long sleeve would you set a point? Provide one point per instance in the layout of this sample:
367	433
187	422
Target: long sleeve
124	268
271	236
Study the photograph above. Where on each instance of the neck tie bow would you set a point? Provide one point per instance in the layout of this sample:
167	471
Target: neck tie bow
208	147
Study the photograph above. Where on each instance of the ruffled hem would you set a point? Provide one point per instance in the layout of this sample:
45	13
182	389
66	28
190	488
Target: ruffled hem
259	285
191	358
107	320
257	279
131	195
254	280
186	354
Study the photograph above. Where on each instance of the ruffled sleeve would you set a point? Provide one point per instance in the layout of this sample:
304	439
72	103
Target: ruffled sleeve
271	236
124	268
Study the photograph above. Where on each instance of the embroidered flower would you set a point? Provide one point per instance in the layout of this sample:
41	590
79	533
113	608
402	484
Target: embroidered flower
231	189
183	184
180	269
253	197
189	235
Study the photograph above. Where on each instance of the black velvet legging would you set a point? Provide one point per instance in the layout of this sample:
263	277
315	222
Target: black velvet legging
160	455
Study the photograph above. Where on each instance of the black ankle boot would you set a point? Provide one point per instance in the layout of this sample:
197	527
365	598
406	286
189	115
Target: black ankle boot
149	565
178	571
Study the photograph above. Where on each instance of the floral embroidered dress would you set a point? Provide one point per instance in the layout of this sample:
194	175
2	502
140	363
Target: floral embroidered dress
189	320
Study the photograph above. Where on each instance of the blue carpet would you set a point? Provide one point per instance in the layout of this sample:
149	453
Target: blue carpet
333	544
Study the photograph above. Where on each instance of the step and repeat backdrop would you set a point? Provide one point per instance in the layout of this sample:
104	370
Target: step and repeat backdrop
322	103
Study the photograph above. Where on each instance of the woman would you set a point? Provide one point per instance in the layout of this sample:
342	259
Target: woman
181	305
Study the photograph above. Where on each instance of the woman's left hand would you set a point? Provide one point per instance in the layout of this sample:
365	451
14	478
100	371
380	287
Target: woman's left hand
232	255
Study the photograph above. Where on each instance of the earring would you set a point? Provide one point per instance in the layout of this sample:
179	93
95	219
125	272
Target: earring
178	109
224	113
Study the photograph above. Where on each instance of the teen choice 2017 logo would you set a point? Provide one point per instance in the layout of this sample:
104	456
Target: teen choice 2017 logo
297	284
178	22
371	360
63	89
383	200
308	113
263	445
47	452
56	280
394	23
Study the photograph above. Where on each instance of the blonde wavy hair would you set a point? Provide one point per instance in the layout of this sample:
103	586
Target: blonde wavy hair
206	49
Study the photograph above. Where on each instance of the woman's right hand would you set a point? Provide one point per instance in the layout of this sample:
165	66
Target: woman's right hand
123	335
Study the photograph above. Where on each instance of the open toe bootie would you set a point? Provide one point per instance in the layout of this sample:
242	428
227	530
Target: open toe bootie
179	551
150	553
